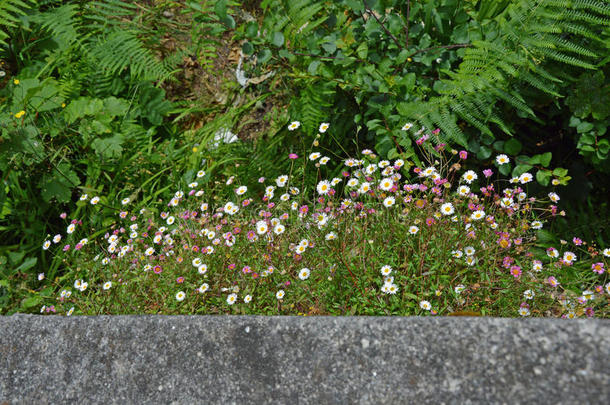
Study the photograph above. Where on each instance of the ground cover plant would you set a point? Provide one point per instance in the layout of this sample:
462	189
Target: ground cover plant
367	237
108	101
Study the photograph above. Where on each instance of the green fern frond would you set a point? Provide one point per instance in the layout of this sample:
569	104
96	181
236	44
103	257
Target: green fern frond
10	10
568	60
301	13
575	15
60	21
314	104
579	30
122	50
513	98
540	84
566	45
462	111
593	5
108	12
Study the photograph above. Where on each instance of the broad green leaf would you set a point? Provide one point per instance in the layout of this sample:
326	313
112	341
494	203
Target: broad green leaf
543	177
27	264
520	169
110	147
278	39
512	146
115	107
247	48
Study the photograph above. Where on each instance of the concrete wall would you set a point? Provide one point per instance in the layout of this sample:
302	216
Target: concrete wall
296	360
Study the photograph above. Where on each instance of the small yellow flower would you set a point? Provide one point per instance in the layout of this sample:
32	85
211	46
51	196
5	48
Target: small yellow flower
409	60
20	114
63	105
16	81
195	149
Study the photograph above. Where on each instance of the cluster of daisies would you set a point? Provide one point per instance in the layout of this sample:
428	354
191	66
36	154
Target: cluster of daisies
207	235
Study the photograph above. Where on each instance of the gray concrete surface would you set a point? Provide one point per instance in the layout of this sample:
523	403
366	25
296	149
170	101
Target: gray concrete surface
296	360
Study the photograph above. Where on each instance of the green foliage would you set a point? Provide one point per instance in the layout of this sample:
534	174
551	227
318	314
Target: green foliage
10	11
476	70
82	111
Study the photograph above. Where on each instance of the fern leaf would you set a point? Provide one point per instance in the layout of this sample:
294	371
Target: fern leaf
10	10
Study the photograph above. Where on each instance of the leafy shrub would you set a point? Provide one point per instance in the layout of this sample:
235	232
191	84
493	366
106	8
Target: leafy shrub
473	69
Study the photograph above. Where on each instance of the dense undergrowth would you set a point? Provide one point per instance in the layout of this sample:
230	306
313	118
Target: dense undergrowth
130	102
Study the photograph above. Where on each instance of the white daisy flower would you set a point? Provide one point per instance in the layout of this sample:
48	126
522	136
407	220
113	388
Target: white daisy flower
470	176
231	298
281	180
364	188
463	191
389	201
280	294
323	127
304	273
425	305
261	227
107	285
386	270
413	229
502	159
447	209
477	215
526	178
294	125
323	187
386	184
